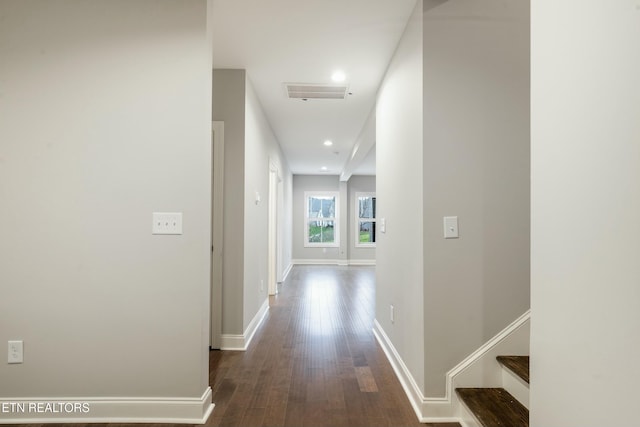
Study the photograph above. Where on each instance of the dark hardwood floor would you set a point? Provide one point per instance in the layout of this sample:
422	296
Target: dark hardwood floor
314	361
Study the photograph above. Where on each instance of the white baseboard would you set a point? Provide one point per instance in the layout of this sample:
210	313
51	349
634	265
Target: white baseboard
241	342
471	372
362	262
342	262
286	272
107	410
316	261
436	409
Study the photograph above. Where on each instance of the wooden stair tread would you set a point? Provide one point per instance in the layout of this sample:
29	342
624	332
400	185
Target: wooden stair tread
494	407
519	365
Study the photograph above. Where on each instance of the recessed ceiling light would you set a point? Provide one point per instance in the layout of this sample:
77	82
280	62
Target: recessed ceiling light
338	76
324	168
328	143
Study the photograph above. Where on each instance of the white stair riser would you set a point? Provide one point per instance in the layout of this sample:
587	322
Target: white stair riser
466	417
516	386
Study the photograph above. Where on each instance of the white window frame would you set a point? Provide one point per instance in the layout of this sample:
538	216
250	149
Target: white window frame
335	219
358	220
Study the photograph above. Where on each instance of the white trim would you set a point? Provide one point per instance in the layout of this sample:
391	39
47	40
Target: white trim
273	232
490	345
416	398
317	261
362	262
402	372
286	272
333	262
217	231
444	409
118	410
232	342
241	342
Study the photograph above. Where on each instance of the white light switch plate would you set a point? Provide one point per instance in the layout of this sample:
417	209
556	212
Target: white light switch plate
450	227
167	223
383	225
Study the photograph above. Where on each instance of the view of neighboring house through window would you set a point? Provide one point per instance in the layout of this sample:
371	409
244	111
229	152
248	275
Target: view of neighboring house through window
321	219
365	219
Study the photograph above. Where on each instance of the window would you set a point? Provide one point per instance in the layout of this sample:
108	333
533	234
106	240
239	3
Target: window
365	219
321	219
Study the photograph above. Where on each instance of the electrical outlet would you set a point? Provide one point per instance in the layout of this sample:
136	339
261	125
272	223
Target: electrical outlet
16	354
392	313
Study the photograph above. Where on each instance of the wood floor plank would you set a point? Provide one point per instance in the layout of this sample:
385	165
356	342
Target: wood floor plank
365	379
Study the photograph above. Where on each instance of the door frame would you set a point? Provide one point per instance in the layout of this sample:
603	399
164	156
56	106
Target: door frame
217	231
273	231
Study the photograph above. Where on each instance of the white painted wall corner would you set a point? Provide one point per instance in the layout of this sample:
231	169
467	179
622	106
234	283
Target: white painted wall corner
241	342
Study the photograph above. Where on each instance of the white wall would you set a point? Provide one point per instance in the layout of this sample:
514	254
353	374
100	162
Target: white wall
358	184
250	146
476	167
585	298
261	148
399	273
105	113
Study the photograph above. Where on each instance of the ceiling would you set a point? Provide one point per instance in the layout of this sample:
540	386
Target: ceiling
306	41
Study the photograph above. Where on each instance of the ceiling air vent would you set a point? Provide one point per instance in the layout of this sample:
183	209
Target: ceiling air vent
306	91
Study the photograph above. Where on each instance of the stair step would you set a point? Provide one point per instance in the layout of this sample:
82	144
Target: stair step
519	365
494	407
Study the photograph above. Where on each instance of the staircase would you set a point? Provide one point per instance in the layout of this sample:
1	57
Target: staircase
506	406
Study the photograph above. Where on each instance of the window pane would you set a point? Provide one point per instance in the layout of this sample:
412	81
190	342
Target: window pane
366	207
327	233
322	207
367	232
321	232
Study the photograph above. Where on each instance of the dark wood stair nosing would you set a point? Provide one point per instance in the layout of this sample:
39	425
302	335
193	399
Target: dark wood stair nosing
494	407
519	365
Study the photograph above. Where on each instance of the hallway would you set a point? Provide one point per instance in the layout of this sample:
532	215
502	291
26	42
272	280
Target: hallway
314	361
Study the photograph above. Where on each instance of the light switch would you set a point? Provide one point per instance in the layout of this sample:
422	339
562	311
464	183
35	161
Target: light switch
167	223
450	227
383	225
